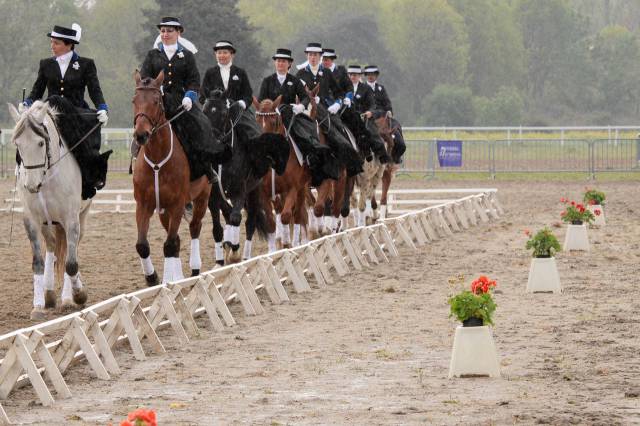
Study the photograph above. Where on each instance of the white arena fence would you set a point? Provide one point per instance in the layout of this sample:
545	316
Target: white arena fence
399	201
487	150
38	356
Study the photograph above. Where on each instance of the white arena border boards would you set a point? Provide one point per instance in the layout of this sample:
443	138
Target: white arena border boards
121	200
94	333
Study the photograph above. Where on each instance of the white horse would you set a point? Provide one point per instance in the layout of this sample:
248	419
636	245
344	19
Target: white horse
49	185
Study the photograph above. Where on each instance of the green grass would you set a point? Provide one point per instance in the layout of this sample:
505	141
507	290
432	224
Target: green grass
521	176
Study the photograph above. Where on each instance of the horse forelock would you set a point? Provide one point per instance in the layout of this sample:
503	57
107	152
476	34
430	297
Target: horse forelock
29	121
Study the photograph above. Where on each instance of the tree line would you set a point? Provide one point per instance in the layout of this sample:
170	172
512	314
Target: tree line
444	62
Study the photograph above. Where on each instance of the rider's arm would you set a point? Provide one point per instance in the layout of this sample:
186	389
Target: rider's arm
205	86
192	78
386	102
39	86
303	98
93	86
246	92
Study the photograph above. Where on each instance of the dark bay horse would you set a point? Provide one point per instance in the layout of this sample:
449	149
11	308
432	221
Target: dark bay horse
161	182
286	193
240	178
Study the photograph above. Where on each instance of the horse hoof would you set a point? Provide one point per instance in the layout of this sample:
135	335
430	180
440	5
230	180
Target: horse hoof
49	299
79	297
286	246
279	245
38	314
220	262
195	272
313	234
152	279
67	306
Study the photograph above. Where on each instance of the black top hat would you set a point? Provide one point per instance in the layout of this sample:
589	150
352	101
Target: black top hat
371	69
313	48
283	54
62	33
170	21
224	44
329	53
354	69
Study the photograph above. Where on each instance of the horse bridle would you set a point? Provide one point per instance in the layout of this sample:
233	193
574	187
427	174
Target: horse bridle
160	113
46	164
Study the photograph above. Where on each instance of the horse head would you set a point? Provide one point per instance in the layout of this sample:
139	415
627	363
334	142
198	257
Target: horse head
268	116
148	109
385	132
216	108
32	137
312	100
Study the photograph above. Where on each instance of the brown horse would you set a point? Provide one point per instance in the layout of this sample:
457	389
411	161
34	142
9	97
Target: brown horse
285	193
373	172
389	172
161	182
331	193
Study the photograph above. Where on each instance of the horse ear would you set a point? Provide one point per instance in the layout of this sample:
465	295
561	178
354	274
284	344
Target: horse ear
159	79
136	77
255	103
13	112
276	103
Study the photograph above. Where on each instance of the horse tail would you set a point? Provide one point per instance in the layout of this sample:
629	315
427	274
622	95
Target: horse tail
60	252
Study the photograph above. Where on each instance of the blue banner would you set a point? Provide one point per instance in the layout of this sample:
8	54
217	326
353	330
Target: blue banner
450	153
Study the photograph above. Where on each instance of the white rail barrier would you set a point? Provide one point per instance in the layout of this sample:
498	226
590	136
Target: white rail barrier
94	333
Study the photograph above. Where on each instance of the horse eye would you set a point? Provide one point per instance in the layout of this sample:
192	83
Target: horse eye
41	143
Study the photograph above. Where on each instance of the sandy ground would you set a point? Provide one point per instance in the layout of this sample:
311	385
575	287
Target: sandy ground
375	348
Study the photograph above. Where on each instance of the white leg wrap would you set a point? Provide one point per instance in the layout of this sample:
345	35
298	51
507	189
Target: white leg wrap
38	291
49	271
167	271
296	235
67	288
328	222
195	262
177	269
219	252
367	210
226	235
279	227
383	211
344	223
313	222
361	218
286	234
246	253
235	235
271	242
304	237
147	266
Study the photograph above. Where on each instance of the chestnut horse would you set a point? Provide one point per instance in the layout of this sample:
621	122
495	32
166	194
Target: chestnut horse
330	200
286	193
162	183
373	172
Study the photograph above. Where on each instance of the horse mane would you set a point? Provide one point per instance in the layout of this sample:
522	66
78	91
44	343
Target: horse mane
71	125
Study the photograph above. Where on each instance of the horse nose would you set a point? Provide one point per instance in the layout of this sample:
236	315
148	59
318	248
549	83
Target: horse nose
142	138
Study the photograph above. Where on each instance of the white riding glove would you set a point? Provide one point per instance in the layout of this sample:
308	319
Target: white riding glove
102	117
297	108
347	102
242	104
317	99
334	108
389	114
186	103
22	107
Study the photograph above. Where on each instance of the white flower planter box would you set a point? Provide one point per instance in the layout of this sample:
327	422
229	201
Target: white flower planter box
543	276
576	238
474	353
599	218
